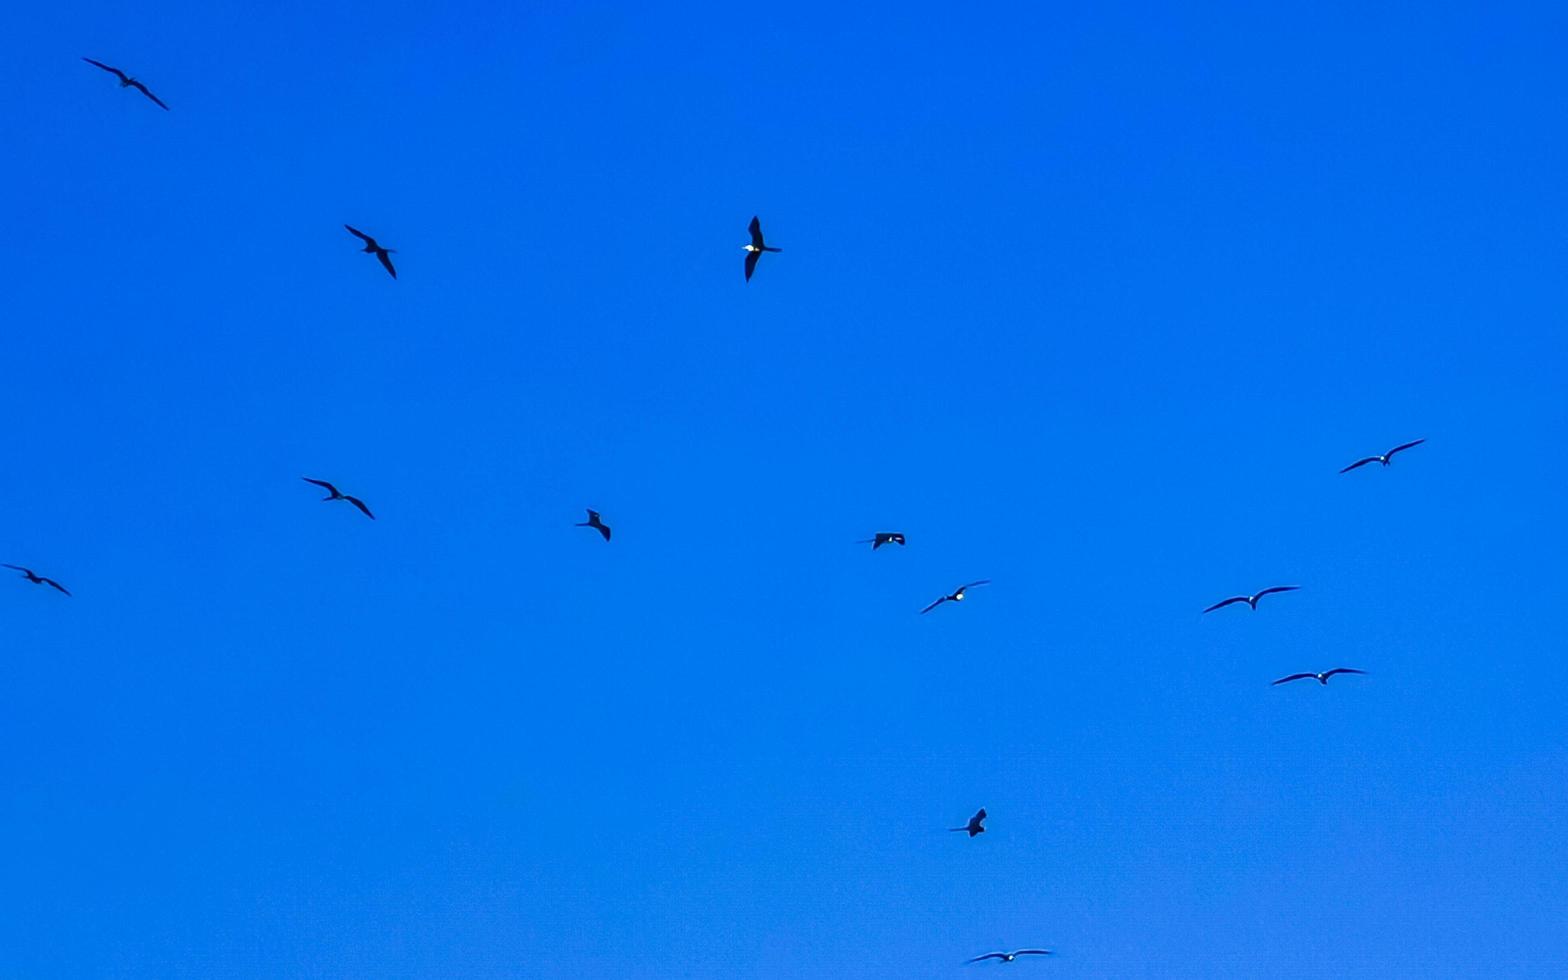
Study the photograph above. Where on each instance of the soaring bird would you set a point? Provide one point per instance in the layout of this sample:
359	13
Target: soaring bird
1320	678
973	826
37	579
374	248
1009	957
755	249
957	596
882	538
333	494
1251	600
594	522
126	81
1385	458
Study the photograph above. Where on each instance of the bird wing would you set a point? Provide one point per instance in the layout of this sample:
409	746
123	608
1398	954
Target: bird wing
756	232
16	567
970	585
1342	670
751	264
979	814
1271	590
593	516
1292	677
1359	462
604	530
50	581
108	68
1226	602
987	956
359	234
934	605
1408	445
386	260
138	86
360	504
323	484
1036	952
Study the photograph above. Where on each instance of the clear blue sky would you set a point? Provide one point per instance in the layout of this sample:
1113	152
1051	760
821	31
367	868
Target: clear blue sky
1091	300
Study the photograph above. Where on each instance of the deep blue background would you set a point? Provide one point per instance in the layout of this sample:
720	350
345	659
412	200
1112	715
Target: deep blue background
1092	300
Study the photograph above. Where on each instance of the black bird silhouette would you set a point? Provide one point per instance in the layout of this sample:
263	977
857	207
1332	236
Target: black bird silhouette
126	81
1009	957
957	596
1251	600
333	494
755	249
1385	458
594	522
374	248
37	579
1320	678
973	826
882	538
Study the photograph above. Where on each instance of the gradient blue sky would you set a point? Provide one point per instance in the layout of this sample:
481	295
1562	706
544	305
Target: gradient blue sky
1092	300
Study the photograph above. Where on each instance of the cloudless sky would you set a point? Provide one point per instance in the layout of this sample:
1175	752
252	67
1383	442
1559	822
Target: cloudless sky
1093	300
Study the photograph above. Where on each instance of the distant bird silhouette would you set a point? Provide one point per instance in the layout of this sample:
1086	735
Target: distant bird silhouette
1009	957
374	248
333	494
37	579
973	826
1320	678
127	81
956	596
755	249
882	538
1251	600
594	522
1385	458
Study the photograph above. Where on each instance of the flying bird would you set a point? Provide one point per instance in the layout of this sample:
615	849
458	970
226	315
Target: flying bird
755	249
882	538
333	494
594	522
127	81
1320	678
1385	458
1251	600
374	248
37	579
973	826
957	596
1009	957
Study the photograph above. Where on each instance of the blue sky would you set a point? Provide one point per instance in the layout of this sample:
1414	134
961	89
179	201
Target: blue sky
1091	301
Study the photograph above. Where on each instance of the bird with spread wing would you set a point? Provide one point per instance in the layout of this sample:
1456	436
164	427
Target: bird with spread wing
334	494
127	81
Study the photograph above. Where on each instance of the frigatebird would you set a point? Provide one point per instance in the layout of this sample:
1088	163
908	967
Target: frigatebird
882	538
594	522
973	826
37	579
1320	678
127	81
756	247
374	248
957	595
1251	600
1009	957
1385	458
333	494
